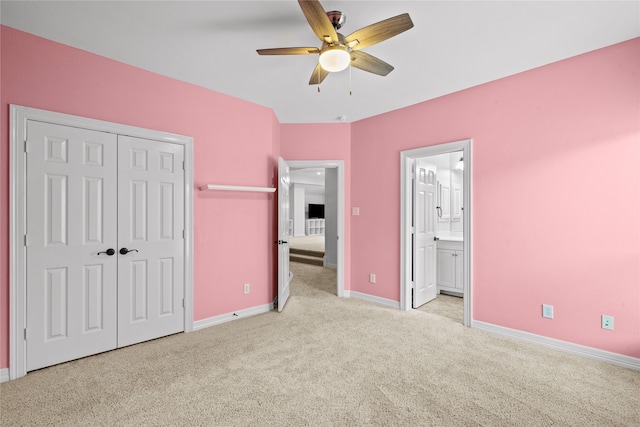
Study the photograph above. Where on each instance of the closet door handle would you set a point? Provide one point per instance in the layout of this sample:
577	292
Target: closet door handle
125	251
109	252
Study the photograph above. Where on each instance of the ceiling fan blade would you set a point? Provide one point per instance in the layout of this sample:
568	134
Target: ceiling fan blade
370	63
288	51
318	75
318	19
380	31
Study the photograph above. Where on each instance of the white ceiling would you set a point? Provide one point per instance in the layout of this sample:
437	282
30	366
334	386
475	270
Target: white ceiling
313	176
454	45
445	161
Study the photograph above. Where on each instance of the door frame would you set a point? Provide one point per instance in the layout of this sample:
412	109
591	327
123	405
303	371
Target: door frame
19	116
339	165
407	160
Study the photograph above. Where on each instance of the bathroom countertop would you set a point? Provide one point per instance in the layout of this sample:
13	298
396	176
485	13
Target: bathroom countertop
451	238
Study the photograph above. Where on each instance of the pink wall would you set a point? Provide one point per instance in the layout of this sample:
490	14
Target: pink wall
323	141
556	195
233	231
556	182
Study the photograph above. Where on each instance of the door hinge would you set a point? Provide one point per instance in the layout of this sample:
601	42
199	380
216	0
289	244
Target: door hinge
183	303
25	334
26	240
183	234
183	166
25	146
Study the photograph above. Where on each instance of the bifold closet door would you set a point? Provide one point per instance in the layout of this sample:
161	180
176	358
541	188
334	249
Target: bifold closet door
150	239
71	285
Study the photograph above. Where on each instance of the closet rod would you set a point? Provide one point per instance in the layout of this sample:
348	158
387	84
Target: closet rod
236	188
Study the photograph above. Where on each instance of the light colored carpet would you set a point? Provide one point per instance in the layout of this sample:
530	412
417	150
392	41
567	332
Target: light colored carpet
328	361
310	243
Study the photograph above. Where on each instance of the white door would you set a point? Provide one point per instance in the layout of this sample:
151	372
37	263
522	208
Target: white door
284	274
104	243
424	233
71	223
150	239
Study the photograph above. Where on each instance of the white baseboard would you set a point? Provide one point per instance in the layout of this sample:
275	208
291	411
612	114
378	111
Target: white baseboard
228	317
372	298
581	350
330	265
4	375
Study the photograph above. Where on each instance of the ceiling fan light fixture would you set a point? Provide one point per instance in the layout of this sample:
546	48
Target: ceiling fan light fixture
335	58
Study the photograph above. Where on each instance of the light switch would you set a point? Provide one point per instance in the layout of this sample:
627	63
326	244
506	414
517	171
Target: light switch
355	211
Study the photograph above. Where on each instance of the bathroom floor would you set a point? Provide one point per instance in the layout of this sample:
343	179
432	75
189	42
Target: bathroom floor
446	306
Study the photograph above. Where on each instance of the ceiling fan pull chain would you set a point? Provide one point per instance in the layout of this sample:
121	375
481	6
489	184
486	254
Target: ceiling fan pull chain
350	78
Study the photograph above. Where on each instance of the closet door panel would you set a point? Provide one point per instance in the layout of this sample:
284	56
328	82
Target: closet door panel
71	222
151	242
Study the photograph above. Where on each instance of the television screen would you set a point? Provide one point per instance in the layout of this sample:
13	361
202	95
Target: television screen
316	211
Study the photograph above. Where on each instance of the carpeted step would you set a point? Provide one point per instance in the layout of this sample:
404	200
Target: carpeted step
306	259
307	252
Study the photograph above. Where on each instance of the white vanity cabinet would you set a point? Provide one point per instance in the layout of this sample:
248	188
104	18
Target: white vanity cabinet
450	267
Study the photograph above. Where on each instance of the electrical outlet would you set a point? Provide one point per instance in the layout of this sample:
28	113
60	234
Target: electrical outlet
607	322
547	311
372	278
355	211
247	288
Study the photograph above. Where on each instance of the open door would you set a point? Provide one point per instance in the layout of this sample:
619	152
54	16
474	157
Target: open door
284	274
424	233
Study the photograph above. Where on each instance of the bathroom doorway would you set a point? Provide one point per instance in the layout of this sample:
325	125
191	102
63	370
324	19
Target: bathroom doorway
436	253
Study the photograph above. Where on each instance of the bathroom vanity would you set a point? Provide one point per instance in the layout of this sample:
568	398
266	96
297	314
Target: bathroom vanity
450	268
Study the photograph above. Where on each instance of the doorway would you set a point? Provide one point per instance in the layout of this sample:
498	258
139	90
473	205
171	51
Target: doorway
313	216
330	205
410	160
101	213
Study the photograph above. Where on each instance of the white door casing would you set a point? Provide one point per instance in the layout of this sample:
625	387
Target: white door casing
284	272
424	233
150	227
71	222
20	119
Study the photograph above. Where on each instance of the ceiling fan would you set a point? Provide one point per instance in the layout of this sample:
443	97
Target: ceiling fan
337	51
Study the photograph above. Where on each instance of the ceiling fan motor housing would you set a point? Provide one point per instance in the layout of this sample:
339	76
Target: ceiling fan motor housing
337	18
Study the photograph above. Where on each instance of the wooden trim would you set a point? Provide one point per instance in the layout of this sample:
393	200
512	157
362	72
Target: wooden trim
4	375
375	299
568	347
235	315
